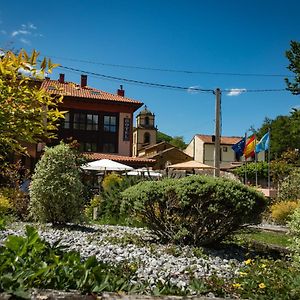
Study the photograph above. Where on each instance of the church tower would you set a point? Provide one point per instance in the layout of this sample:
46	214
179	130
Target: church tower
144	134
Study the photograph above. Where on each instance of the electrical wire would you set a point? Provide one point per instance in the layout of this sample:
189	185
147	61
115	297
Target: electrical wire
167	86
171	70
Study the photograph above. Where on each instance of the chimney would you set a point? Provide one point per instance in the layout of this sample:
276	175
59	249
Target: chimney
61	78
120	91
83	80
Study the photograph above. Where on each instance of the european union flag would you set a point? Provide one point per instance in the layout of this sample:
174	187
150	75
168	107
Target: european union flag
239	147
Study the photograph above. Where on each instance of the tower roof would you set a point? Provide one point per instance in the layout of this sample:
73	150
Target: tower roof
145	111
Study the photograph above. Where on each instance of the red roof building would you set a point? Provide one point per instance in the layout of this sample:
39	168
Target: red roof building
101	122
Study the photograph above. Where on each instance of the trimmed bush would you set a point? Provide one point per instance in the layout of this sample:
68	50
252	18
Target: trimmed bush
282	211
56	190
197	210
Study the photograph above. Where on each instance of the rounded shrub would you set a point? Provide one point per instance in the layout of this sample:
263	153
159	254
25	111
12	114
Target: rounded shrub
197	210
56	188
282	211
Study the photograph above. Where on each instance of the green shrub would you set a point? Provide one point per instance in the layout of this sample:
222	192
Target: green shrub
111	181
294	226
111	196
56	189
195	210
4	205
19	202
282	211
95	202
289	187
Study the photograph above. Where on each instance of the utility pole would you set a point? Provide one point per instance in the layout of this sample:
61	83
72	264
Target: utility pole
217	133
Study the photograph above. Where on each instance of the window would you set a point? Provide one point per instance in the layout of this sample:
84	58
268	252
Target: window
83	121
147	121
88	147
147	138
224	149
110	124
66	121
109	148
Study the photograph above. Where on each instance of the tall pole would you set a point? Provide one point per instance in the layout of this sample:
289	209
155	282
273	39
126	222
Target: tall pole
217	134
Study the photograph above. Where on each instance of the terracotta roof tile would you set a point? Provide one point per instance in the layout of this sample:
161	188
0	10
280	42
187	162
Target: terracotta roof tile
226	140
118	158
74	90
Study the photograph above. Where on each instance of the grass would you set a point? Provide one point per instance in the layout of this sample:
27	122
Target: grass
266	237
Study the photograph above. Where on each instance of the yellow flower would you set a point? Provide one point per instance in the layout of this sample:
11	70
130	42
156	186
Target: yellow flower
236	285
243	273
263	266
248	261
262	285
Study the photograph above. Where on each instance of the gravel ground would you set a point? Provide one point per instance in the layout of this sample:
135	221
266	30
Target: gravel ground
155	262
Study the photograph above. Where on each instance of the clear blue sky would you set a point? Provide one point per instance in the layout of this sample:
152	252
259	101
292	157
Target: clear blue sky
204	36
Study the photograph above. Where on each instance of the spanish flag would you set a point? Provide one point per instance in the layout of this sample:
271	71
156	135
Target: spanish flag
249	150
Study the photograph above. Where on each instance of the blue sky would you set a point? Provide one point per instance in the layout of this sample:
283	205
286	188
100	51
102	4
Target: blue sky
244	37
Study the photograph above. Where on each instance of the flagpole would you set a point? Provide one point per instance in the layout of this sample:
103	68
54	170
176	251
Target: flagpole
255	155
269	177
245	160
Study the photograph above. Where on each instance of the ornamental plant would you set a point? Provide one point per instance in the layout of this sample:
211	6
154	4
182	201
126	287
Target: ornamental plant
282	211
294	226
197	210
56	190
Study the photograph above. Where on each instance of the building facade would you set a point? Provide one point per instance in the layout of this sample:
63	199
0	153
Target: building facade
202	149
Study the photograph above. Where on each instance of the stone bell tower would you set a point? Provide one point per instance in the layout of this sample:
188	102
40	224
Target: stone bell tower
144	134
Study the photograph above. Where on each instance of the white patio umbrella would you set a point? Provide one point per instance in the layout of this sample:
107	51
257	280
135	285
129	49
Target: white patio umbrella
105	165
144	172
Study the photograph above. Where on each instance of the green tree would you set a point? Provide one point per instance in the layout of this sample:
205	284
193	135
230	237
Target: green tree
27	112
56	190
178	142
293	56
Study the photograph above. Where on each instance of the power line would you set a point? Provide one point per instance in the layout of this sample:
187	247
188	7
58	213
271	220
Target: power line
172	70
168	86
159	85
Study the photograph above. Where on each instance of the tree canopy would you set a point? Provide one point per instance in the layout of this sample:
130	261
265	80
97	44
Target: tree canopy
293	56
27	112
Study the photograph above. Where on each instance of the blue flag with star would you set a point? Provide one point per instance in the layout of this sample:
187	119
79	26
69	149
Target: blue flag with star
239	147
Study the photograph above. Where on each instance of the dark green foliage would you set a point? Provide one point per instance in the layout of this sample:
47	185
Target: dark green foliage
176	141
32	263
56	190
111	196
196	210
284	132
160	137
260	167
293	56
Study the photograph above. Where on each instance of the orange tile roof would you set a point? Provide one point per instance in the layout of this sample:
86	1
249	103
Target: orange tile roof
118	158
74	90
227	140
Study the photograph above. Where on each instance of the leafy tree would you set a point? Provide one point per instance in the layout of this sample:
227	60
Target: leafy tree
160	137
178	142
293	56
285	131
56	190
28	113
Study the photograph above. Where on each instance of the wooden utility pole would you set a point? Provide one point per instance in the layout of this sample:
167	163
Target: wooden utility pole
217	133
